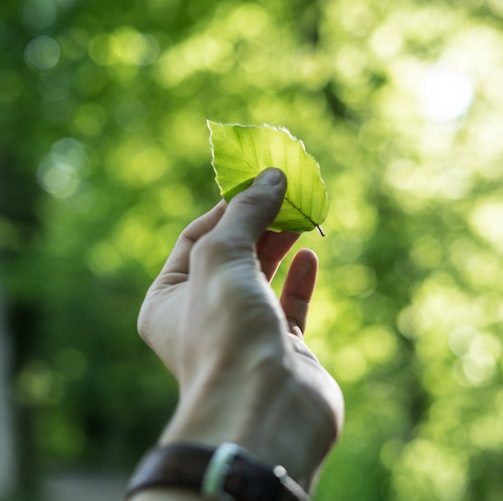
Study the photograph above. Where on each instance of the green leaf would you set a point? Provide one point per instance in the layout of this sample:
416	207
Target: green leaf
240	152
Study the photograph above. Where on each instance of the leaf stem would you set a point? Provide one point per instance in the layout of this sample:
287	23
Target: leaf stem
306	216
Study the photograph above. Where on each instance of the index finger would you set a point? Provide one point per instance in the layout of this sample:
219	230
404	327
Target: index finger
176	267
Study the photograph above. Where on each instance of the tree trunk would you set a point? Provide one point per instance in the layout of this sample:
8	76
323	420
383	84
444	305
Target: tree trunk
8	462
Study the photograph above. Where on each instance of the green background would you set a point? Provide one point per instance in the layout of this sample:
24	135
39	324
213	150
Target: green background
104	158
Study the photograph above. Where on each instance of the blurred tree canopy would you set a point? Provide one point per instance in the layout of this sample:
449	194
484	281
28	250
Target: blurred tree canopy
104	158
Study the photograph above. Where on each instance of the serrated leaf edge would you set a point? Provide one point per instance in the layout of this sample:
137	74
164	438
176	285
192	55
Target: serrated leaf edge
277	128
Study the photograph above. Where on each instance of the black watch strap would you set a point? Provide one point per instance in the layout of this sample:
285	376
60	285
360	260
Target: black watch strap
227	472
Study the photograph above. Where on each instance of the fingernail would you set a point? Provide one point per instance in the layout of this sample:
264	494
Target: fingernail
270	176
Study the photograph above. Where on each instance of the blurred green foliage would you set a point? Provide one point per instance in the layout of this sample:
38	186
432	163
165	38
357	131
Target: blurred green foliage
104	158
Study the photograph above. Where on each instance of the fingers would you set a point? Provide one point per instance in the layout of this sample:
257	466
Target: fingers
272	248
242	221
298	289
177	265
249	213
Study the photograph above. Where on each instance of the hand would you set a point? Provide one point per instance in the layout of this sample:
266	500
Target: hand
238	353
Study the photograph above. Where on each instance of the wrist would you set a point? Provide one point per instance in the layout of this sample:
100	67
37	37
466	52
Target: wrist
270	414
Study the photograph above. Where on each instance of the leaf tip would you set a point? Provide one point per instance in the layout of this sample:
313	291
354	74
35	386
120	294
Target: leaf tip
322	233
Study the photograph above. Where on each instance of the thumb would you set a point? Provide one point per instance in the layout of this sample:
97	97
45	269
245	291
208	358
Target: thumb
251	211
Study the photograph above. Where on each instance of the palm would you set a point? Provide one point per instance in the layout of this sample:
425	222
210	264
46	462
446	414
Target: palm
170	291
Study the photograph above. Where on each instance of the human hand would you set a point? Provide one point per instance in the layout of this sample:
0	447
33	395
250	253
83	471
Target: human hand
238	352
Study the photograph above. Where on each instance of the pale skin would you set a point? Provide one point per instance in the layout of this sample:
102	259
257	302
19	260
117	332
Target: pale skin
238	352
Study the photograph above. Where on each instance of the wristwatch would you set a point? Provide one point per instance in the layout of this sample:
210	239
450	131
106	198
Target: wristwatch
226	473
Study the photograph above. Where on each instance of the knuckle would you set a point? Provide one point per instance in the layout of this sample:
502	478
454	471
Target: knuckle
143	322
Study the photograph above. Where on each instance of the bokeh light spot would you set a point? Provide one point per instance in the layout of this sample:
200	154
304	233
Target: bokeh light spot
386	41
104	259
58	174
426	252
480	363
248	20
460	339
355	279
445	95
431	471
89	119
39	14
350	363
104	49
36	384
42	53
175	200
58	179
141	49
487	220
125	45
378	344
